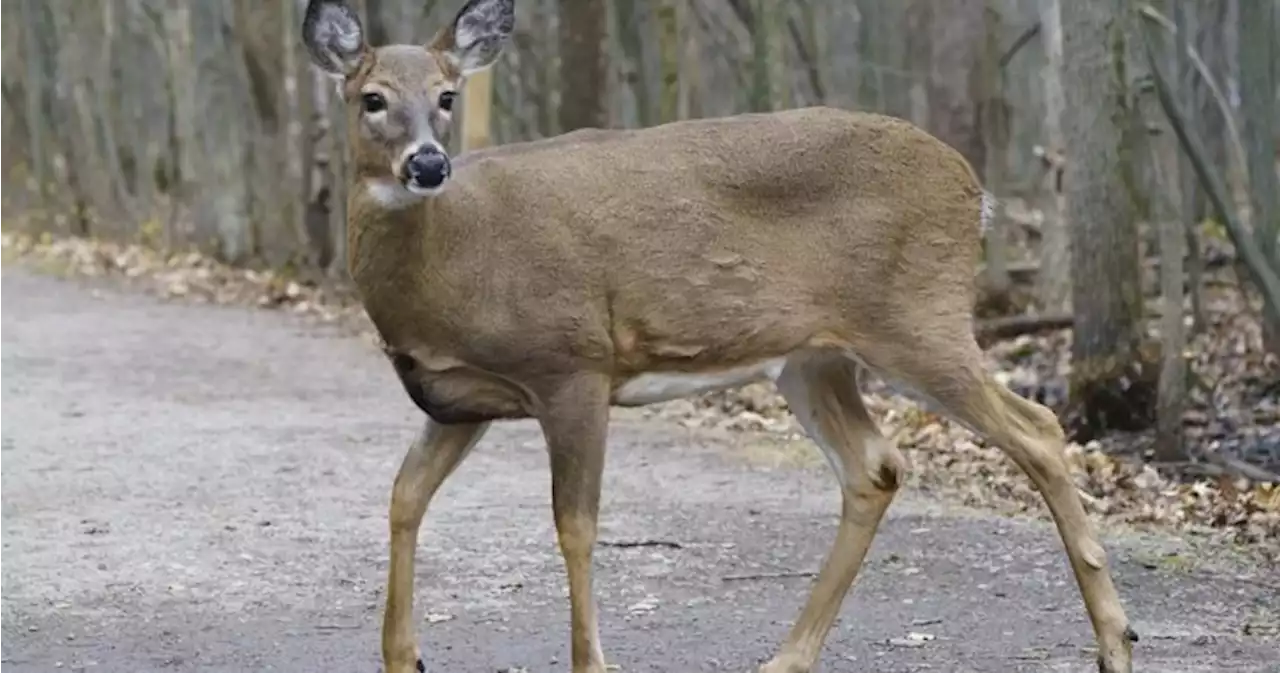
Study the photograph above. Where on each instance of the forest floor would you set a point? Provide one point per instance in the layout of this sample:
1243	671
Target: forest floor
195	487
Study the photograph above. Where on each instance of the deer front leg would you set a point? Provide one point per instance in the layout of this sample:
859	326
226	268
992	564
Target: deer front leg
431	459
575	424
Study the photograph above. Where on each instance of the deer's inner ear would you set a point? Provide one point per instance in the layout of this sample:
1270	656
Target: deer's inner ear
476	37
334	37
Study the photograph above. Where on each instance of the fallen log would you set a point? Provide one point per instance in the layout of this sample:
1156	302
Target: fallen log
1020	272
999	329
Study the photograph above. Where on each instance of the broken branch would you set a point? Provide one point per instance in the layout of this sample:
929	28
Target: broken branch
788	574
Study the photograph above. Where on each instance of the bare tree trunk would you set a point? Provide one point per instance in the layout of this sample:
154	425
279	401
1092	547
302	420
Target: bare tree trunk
1213	39
957	32
896	89
1191	90
83	146
762	88
540	48
883	54
36	112
1258	109
919	21
584	65
1112	385
669	61
867	77
995	136
815	52
636	75
108	118
226	158
182	152
1171	227
318	181
775	13
375	22
290	132
691	84
337	184
1055	256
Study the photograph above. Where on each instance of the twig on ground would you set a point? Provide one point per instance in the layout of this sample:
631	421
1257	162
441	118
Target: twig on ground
628	544
788	574
1218	465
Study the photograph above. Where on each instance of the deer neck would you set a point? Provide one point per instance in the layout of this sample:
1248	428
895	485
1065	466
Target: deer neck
393	253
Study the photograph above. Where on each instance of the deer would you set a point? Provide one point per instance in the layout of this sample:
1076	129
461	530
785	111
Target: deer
557	279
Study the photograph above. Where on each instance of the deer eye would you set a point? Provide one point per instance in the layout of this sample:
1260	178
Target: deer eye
373	102
446	100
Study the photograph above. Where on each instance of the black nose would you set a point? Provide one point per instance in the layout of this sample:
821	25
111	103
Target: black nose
427	169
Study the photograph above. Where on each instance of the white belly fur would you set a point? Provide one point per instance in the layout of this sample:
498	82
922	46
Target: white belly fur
653	387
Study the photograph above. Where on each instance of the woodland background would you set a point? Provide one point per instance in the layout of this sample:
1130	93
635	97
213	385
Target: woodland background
1132	280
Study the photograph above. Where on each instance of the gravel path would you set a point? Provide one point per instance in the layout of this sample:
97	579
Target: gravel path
194	488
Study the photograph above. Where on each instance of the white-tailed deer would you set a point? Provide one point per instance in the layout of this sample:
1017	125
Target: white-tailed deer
553	279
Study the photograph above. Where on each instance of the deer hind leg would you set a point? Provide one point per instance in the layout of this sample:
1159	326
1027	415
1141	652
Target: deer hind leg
822	390
575	424
950	371
429	461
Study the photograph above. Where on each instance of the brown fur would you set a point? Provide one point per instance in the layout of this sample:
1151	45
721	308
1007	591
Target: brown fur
546	275
787	236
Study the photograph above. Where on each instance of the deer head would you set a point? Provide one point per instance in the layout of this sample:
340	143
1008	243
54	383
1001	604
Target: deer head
399	98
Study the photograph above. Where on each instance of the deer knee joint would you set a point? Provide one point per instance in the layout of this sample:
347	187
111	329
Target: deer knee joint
885	465
888	475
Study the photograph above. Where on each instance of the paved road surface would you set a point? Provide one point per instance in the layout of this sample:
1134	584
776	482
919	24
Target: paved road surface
193	488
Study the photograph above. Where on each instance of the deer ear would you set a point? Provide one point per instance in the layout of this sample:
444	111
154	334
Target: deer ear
476	36
334	36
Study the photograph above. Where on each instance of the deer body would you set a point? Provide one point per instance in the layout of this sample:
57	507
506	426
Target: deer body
556	278
558	247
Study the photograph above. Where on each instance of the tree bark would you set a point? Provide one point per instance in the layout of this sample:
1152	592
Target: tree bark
636	75
995	138
919	59
36	110
957	29
1213	37
1258	109
375	23
1171	227
691	84
584	65
762	87
1054	282
668	61
1112	383
1191	90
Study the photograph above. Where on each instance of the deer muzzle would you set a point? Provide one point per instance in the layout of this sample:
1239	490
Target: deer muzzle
427	168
